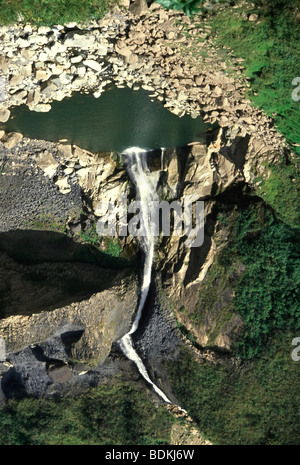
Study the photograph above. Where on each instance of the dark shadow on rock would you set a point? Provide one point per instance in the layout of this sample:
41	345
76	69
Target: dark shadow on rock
236	152
44	270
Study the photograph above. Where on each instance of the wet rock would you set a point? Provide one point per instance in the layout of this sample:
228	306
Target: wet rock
41	107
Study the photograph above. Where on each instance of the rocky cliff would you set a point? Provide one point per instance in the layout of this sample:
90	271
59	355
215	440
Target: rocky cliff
64	303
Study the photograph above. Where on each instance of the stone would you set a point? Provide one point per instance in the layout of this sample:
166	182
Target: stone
33	97
41	74
217	92
94	65
81	70
76	59
57	48
47	163
26	71
84	157
2	134
49	90
65	151
124	3
41	108
57	69
27	54
18	97
102	49
4	115
139	7
253	17
68	171
16	80
12	139
83	172
84	42
71	25
43	30
22	43
37	39
122	49
63	185
43	56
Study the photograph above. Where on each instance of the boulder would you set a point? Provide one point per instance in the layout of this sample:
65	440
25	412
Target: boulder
4	115
12	139
84	42
47	163
94	65
139	7
16	80
65	151
41	108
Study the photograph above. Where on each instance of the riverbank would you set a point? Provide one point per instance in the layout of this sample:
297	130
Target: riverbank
44	64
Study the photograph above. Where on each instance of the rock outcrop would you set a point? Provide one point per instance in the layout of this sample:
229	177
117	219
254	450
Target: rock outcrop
59	186
139	47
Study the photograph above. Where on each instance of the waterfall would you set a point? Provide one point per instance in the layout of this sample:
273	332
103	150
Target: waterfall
162	158
145	184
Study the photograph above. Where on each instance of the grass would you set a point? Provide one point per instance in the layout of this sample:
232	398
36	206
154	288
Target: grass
46	222
50	12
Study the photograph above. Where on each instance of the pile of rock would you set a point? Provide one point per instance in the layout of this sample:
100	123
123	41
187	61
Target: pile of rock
143	47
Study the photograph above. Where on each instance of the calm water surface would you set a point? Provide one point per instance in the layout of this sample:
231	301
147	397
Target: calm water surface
119	119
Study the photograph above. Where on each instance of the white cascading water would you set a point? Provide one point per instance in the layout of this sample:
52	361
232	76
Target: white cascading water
145	184
162	158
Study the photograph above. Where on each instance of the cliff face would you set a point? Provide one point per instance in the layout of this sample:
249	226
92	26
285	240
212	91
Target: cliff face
61	297
52	277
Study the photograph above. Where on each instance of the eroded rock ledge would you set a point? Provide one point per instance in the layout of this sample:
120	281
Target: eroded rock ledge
140	47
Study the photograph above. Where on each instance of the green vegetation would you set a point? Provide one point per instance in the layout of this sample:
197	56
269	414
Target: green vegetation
46	222
109	246
49	12
189	7
186	333
118	414
281	190
267	293
251	405
271	53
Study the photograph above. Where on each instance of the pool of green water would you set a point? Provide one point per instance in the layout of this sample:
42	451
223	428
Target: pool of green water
118	119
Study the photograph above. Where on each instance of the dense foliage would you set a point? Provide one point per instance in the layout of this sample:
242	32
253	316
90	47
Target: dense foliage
189	7
267	294
271	53
119	414
252	405
49	12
